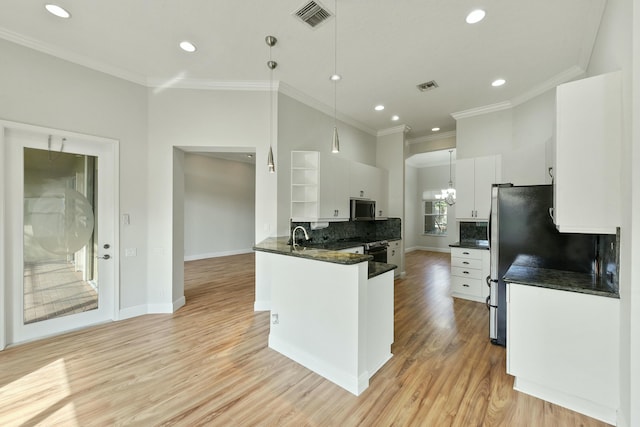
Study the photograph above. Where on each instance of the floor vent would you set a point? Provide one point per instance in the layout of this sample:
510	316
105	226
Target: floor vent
313	14
430	85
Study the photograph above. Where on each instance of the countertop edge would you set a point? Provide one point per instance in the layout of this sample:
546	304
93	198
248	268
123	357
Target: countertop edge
557	280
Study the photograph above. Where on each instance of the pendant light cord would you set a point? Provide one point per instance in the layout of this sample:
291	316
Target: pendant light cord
335	63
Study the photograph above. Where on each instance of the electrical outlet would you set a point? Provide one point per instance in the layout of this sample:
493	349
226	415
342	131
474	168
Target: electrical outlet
274	319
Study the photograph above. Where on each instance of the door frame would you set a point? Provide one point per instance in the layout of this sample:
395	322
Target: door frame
6	310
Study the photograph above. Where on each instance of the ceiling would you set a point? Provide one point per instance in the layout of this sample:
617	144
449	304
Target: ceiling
384	49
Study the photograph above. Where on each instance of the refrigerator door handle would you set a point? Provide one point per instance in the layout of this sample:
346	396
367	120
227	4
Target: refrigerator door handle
487	303
488	279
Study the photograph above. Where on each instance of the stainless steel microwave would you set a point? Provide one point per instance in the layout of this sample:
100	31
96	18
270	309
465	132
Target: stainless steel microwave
363	210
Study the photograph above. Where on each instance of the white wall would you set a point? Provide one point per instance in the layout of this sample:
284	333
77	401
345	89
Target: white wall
618	48
199	120
41	90
522	135
391	153
301	127
411	208
219	206
434	178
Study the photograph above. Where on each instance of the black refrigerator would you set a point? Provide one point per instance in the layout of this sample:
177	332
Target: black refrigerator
521	231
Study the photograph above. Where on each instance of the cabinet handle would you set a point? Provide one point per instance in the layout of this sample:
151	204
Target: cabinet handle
465	253
465	262
465	272
465	285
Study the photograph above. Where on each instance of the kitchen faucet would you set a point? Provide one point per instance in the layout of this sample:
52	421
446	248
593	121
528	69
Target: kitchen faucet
293	234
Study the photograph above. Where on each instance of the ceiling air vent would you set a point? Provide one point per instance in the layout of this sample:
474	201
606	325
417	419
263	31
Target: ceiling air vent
430	85
313	14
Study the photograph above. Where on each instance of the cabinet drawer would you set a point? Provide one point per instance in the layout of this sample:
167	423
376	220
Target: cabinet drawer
466	263
466	253
463	285
471	273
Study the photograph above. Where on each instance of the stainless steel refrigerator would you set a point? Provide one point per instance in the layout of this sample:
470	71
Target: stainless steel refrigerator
521	231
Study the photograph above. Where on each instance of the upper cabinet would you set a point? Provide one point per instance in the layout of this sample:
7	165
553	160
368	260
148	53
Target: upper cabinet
369	182
588	149
322	186
474	178
334	191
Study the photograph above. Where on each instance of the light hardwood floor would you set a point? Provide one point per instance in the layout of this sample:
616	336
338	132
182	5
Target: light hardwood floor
209	364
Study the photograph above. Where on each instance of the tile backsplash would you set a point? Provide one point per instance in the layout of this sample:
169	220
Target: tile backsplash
476	230
367	231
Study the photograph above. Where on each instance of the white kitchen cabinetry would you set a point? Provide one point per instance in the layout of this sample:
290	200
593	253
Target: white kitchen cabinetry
469	271
563	347
305	169
473	186
588	148
382	199
370	182
394	255
334	190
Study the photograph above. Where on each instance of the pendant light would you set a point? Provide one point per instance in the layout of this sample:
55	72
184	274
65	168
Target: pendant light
271	41
449	195
335	77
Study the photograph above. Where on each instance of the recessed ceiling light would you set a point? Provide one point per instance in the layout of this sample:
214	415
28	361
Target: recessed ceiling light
498	82
379	107
435	129
395	118
187	46
54	9
475	16
335	77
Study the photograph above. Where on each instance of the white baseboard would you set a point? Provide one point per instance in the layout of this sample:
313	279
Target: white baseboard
140	310
135	311
262	306
217	254
575	403
353	384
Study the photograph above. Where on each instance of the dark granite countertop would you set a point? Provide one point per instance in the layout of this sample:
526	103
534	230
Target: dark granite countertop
560	280
471	244
326	252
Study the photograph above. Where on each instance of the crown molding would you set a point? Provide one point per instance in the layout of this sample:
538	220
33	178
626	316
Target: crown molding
478	111
395	129
324	108
72	57
436	137
179	82
565	76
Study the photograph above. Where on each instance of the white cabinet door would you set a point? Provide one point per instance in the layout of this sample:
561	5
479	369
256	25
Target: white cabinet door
382	196
485	175
359	180
587	194
394	255
465	188
334	190
563	347
474	178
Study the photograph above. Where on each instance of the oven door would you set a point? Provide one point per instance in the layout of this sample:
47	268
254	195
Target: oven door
379	254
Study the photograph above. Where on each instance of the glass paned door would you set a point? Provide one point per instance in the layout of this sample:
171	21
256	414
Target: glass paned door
63	240
60	270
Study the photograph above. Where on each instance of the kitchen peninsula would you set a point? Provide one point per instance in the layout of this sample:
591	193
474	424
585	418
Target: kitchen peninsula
331	311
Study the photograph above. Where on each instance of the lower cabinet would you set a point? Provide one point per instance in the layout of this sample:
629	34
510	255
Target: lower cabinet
469	271
563	347
394	255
